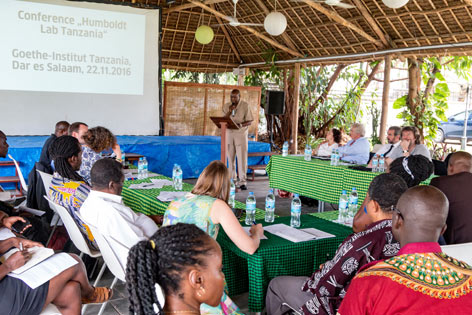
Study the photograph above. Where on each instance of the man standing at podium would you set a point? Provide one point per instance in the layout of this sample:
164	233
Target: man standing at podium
236	139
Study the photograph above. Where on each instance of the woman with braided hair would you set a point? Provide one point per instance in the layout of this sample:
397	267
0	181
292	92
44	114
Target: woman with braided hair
97	140
413	169
182	260
68	188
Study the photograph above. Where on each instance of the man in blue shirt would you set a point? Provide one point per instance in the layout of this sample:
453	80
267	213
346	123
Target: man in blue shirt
357	149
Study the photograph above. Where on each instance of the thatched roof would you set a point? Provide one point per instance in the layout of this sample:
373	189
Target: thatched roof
314	30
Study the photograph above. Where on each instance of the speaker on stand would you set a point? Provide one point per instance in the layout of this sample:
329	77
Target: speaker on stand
275	105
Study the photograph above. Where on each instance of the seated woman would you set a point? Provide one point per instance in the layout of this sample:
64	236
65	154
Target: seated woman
413	169
68	188
68	290
333	139
96	140
185	262
206	207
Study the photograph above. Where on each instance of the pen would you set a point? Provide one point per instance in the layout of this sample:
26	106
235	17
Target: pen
254	222
365	209
21	246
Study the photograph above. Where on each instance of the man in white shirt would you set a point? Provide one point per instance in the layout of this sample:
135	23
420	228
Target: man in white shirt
104	209
393	139
357	149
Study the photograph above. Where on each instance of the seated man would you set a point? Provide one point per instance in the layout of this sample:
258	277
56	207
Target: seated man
420	279
78	130
322	293
393	141
458	190
357	149
45	159
68	188
104	209
410	145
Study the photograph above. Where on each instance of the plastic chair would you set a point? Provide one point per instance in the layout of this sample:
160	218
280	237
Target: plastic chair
51	309
24	187
76	235
459	251
46	178
113	263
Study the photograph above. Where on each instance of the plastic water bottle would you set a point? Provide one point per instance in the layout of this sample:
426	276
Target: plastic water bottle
295	211
343	207
232	193
307	152
336	157
270	206
140	168
375	163
145	168
174	171
333	157
178	178
250	209
353	198
381	168
123	158
285	149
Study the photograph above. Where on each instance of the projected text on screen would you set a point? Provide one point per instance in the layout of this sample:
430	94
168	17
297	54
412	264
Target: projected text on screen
54	49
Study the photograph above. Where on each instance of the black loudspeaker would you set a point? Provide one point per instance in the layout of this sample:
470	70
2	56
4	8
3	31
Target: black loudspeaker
275	104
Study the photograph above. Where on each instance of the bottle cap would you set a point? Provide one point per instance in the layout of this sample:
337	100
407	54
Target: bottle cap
353	188
271	190
343	191
251	193
295	195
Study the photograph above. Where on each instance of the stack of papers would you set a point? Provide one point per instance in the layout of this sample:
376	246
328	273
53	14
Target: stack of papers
154	184
171	195
295	235
38	254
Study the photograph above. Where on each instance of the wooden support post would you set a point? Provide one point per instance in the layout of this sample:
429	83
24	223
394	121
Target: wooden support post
241	79
386	91
296	99
223	142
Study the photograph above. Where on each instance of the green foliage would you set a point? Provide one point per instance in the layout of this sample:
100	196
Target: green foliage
432	107
375	115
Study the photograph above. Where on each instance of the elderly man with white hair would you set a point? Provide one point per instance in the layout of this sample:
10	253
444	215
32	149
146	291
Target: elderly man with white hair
357	149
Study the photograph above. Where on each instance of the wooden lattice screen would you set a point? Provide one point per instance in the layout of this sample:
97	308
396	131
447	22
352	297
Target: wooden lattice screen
188	107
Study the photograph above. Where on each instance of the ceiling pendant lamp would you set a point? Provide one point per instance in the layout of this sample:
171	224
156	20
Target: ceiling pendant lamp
275	23
395	4
204	34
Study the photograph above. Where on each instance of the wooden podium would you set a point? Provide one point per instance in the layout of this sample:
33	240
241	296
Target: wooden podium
224	123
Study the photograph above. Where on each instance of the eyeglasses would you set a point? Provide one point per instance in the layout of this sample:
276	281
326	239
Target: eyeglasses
395	209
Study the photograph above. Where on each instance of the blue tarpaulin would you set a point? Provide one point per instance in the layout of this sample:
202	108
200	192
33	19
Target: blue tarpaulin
192	153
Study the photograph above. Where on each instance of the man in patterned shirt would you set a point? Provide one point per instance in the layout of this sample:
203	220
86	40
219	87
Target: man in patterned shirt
421	279
323	292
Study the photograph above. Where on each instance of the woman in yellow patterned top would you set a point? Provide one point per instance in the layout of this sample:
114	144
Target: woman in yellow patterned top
68	188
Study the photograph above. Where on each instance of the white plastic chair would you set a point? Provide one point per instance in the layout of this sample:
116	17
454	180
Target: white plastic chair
112	261
46	178
55	221
51	309
76	235
459	251
24	187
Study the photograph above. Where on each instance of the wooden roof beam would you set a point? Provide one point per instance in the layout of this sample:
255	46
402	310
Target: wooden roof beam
469	2
384	38
249	29
228	38
337	18
284	35
206	62
189	6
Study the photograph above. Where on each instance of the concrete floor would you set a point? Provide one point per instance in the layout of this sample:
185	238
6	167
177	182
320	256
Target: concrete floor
119	303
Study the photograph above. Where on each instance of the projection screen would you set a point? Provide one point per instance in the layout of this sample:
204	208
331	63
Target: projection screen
78	61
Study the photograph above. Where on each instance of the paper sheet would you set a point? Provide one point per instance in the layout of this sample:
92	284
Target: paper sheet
5	195
318	234
171	195
6	233
289	233
38	254
247	228
46	270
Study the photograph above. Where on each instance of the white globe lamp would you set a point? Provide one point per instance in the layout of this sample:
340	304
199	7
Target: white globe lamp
275	23
395	4
204	34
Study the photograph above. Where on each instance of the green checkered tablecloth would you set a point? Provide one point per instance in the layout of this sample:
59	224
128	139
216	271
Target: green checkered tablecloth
276	257
145	200
317	178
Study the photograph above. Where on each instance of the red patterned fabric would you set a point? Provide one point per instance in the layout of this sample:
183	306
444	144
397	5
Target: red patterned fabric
420	280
